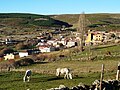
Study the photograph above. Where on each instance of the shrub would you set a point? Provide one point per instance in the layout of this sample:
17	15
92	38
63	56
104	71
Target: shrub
49	57
6	51
22	46
52	57
41	57
24	62
38	58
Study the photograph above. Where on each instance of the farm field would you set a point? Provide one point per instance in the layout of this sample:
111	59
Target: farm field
43	76
13	80
85	71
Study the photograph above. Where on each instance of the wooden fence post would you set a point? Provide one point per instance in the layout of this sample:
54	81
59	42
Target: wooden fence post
118	71
101	78
8	69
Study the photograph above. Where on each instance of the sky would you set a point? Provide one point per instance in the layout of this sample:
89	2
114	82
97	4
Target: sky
50	7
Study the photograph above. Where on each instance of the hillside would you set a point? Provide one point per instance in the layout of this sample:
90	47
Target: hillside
83	71
21	22
94	21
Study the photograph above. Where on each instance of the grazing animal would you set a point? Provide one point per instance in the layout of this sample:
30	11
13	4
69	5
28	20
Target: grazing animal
65	71
27	75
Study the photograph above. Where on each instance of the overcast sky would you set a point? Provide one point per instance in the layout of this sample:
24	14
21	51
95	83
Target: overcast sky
59	6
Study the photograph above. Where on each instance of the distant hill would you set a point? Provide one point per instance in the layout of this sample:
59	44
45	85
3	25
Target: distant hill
28	20
94	21
23	23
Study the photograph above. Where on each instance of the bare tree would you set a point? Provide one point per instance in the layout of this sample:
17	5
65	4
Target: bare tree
81	30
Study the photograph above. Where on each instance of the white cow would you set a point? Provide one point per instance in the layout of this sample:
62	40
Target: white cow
65	71
27	75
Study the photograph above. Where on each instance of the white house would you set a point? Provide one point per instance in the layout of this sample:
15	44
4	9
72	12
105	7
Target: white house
23	54
70	44
46	48
9	56
51	42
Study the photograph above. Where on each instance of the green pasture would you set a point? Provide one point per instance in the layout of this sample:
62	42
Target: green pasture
43	74
85	71
13	80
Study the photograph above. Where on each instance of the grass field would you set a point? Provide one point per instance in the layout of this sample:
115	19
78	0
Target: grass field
13	80
43	76
43	73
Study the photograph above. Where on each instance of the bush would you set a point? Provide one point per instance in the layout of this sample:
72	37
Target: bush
49	57
24	62
22	46
52	57
38	58
6	51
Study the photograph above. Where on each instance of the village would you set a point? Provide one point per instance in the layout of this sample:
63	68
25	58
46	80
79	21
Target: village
45	42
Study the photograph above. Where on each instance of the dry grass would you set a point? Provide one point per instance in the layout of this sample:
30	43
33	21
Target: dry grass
85	71
77	67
